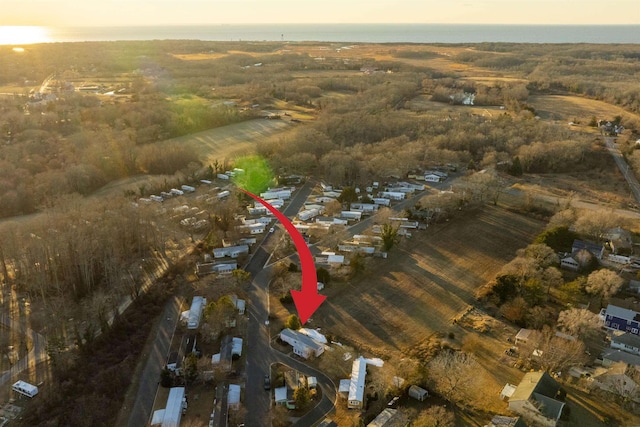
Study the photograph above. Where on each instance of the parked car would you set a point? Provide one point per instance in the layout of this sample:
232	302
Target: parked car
267	382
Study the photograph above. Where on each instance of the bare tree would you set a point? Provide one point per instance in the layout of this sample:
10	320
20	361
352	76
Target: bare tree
454	374
603	282
435	416
553	352
578	322
542	254
596	223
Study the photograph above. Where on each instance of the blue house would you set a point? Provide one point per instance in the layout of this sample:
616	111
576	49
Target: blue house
622	319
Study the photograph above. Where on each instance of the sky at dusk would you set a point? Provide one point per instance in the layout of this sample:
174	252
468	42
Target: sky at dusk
74	13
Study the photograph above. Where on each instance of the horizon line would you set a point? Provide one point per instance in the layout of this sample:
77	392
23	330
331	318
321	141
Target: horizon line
324	23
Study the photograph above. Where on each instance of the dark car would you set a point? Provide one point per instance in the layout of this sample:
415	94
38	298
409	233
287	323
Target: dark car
267	382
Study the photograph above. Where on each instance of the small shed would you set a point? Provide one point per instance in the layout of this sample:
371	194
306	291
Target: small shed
522	336
507	391
233	398
280	395
418	393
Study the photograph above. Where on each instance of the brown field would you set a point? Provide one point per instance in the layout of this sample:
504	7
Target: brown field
569	108
425	282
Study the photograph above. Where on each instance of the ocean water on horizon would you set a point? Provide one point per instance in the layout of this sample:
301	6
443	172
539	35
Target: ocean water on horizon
365	33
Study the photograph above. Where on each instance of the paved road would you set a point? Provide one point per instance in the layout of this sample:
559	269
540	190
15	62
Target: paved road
260	356
628	174
141	413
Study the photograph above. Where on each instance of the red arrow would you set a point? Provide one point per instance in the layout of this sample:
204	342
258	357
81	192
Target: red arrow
308	300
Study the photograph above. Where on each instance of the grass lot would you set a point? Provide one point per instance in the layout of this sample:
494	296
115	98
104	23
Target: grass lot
425	282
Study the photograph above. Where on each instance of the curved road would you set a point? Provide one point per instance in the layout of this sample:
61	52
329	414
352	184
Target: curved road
260	355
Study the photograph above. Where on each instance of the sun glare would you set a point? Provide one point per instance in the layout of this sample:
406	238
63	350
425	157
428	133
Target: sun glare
23	35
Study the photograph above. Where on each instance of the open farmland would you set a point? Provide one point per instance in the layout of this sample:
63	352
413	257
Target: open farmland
571	108
425	282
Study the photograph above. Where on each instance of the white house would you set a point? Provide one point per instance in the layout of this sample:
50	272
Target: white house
432	178
302	344
231	251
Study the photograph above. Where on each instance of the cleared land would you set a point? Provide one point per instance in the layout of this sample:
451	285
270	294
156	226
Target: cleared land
221	143
425	282
570	108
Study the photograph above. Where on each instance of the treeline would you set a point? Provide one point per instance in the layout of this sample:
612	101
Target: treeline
79	254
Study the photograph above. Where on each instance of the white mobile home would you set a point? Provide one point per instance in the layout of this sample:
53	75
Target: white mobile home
381	201
24	388
432	178
222	176
307	214
355	215
231	251
365	208
356	386
188	188
255	228
302	345
392	195
223	194
195	312
176	403
282	194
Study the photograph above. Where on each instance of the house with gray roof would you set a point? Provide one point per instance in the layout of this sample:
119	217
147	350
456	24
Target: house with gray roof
536	398
593	248
611	356
503	421
626	342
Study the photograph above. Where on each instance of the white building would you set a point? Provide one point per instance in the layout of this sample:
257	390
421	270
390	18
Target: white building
381	201
392	195
355	215
172	414
302	345
233	398
231	251
254	228
24	388
195	312
355	399
281	194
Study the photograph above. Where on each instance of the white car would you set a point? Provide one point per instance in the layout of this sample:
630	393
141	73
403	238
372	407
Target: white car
271	230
